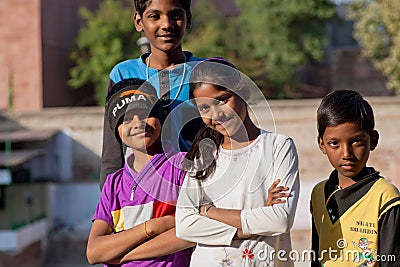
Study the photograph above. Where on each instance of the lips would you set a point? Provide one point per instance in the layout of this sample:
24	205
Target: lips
348	167
223	122
147	131
136	133
167	36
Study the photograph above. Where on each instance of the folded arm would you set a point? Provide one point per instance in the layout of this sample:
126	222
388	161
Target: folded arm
161	245
104	246
276	195
191	225
277	219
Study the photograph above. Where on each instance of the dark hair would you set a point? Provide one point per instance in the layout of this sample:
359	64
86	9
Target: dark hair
141	5
200	160
203	153
216	71
343	106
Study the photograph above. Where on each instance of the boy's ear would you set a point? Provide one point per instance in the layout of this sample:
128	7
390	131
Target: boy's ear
374	139
321	145
137	19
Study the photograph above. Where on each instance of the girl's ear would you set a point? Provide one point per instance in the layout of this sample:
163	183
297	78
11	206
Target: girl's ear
374	138
321	145
137	19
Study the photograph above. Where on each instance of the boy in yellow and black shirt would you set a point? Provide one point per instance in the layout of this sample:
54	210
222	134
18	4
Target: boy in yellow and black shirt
356	212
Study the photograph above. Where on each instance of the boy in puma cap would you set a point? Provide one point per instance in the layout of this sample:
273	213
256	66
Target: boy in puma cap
135	214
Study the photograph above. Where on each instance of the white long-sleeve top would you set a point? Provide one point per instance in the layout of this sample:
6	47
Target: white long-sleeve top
241	182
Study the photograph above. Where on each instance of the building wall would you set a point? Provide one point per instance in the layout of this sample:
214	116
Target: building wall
36	37
20	57
60	27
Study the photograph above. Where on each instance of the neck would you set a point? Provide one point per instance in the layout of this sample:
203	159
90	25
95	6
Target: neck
347	181
141	157
243	137
160	60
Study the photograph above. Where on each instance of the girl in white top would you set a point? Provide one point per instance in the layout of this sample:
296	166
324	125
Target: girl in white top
223	204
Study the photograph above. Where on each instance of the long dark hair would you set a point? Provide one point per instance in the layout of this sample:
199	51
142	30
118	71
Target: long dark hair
201	160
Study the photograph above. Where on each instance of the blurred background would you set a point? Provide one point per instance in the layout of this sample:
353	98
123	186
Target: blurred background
56	56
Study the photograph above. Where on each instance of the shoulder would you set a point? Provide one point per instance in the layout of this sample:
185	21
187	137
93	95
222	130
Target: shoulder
192	58
179	156
278	141
275	137
127	64
386	185
113	181
176	159
318	188
172	169
318	196
123	69
385	189
387	194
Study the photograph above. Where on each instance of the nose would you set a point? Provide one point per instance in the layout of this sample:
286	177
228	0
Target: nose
347	151
136	122
166	22
216	112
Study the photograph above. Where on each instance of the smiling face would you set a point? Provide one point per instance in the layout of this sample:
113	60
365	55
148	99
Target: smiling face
220	110
348	147
140	132
164	23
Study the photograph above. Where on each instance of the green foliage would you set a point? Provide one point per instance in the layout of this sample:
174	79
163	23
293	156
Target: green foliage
281	37
377	25
270	41
106	39
211	34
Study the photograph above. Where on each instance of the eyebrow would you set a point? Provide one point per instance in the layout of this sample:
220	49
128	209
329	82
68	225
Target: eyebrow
357	136
176	10
223	96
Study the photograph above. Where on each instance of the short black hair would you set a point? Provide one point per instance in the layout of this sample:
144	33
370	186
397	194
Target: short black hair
343	106
141	5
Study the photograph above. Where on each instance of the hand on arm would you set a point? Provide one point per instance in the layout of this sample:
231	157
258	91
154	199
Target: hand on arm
276	193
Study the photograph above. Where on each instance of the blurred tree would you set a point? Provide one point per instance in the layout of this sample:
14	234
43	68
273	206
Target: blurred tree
270	41
279	37
107	37
377	24
212	34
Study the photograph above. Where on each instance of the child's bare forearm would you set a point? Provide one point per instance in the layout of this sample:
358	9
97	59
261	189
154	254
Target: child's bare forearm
161	245
103	246
160	225
227	216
